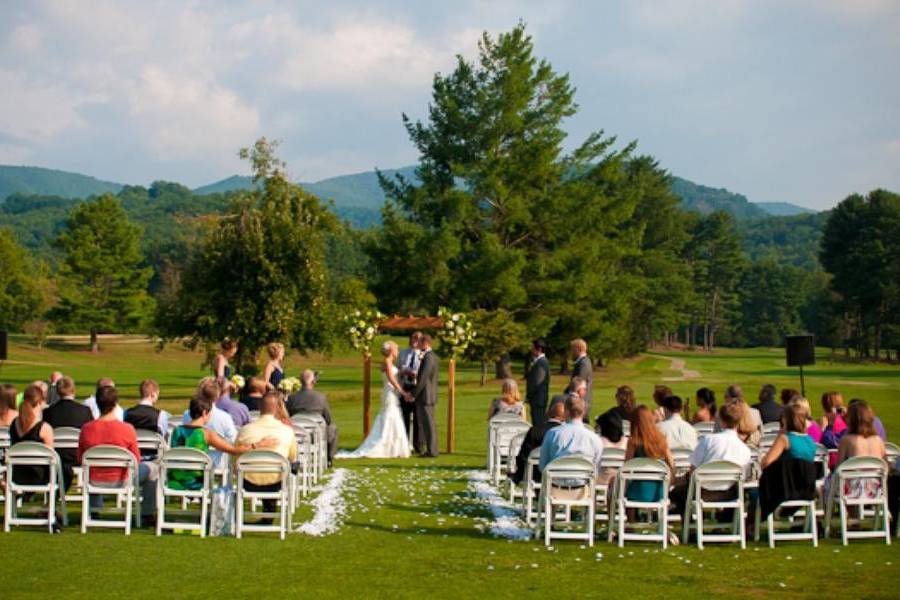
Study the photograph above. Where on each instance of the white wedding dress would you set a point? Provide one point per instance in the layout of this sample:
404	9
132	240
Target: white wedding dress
387	438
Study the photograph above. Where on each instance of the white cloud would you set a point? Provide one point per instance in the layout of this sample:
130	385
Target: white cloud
37	110
25	38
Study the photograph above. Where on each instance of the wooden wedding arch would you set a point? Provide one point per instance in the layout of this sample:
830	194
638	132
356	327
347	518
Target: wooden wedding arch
408	324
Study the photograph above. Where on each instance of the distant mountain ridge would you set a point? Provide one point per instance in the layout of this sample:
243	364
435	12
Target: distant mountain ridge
360	194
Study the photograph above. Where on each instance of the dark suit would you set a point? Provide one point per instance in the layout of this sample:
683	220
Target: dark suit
425	393
582	368
67	413
312	402
537	391
408	409
533	439
770	411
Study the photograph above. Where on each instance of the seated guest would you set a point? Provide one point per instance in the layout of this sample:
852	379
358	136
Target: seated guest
624	403
67	412
267	427
195	435
309	401
533	439
788	394
723	445
609	428
29	426
660	393
734	393
769	409
789	468
107	430
572	437
812	428
256	387
748	429
677	432
860	439
237	410
706	406
145	415
646	441
832	422
509	401
219	421
8	404
91	401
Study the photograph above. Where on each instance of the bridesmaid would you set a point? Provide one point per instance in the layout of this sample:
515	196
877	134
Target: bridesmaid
274	372
221	368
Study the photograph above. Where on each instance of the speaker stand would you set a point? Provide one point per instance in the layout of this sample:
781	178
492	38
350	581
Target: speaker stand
802	384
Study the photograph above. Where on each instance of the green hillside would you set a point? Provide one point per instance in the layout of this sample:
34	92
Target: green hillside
50	182
784	209
704	200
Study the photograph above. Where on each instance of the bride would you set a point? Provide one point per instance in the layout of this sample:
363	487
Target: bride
388	438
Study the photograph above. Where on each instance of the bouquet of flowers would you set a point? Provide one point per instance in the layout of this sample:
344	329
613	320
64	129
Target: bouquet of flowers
238	381
289	385
456	333
362	326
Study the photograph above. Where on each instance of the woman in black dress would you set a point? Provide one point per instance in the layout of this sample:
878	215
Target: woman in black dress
221	368
30	427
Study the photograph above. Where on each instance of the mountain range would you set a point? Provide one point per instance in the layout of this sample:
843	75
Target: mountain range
358	196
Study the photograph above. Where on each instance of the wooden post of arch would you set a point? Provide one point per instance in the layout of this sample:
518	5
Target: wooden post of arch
451	406
367	393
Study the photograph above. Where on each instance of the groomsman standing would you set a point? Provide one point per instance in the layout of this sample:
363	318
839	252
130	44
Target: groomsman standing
408	361
537	391
583	369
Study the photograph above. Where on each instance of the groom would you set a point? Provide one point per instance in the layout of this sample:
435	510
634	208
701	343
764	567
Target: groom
425	395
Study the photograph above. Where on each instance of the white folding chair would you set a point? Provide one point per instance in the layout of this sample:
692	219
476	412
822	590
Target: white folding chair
184	459
254	414
305	461
66	438
318	441
532	490
892	452
150	443
766	441
496	421
503	435
129	492
647	470
4	446
611	459
822	471
34	454
263	462
682	459
626	428
567	482
771	427
810	528
704	428
515	444
858	470
719	474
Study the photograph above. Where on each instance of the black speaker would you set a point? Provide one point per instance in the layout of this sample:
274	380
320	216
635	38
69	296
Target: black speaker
3	350
801	350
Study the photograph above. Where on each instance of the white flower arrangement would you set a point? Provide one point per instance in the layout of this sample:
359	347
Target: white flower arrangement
289	385
362	327
456	333
238	381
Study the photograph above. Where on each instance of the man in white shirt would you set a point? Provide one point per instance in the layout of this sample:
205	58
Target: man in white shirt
724	445
219	420
679	434
91	401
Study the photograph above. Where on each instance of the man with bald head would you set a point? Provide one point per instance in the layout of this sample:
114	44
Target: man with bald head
91	402
309	401
267	426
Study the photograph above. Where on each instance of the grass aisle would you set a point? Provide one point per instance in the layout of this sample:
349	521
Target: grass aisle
433	527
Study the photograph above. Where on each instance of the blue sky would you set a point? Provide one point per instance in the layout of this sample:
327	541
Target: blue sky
780	100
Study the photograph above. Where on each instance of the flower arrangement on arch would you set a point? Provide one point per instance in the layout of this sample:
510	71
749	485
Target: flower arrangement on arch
362	327
456	333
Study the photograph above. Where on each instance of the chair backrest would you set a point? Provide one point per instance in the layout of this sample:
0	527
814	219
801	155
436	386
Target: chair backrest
264	461
892	452
704	427
682	458
768	439
861	467
626	428
507	431
108	456
822	459
718	472
534	456
31	453
501	417
66	438
643	469
612	458
254	414
515	444
189	459
573	466
4	442
150	440
771	427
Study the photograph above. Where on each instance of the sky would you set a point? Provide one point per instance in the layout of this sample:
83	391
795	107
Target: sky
782	100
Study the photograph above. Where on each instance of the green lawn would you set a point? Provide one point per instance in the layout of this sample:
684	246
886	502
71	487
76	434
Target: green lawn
413	528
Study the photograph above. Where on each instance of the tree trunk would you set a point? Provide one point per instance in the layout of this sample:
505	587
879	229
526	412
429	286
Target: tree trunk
503	367
483	373
564	366
95	343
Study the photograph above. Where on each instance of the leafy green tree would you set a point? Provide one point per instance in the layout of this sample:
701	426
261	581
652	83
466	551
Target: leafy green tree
258	275
718	263
772	297
498	333
861	250
21	298
501	217
102	282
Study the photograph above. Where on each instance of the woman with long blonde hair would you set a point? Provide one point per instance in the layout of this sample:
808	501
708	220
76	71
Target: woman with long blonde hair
509	402
274	371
